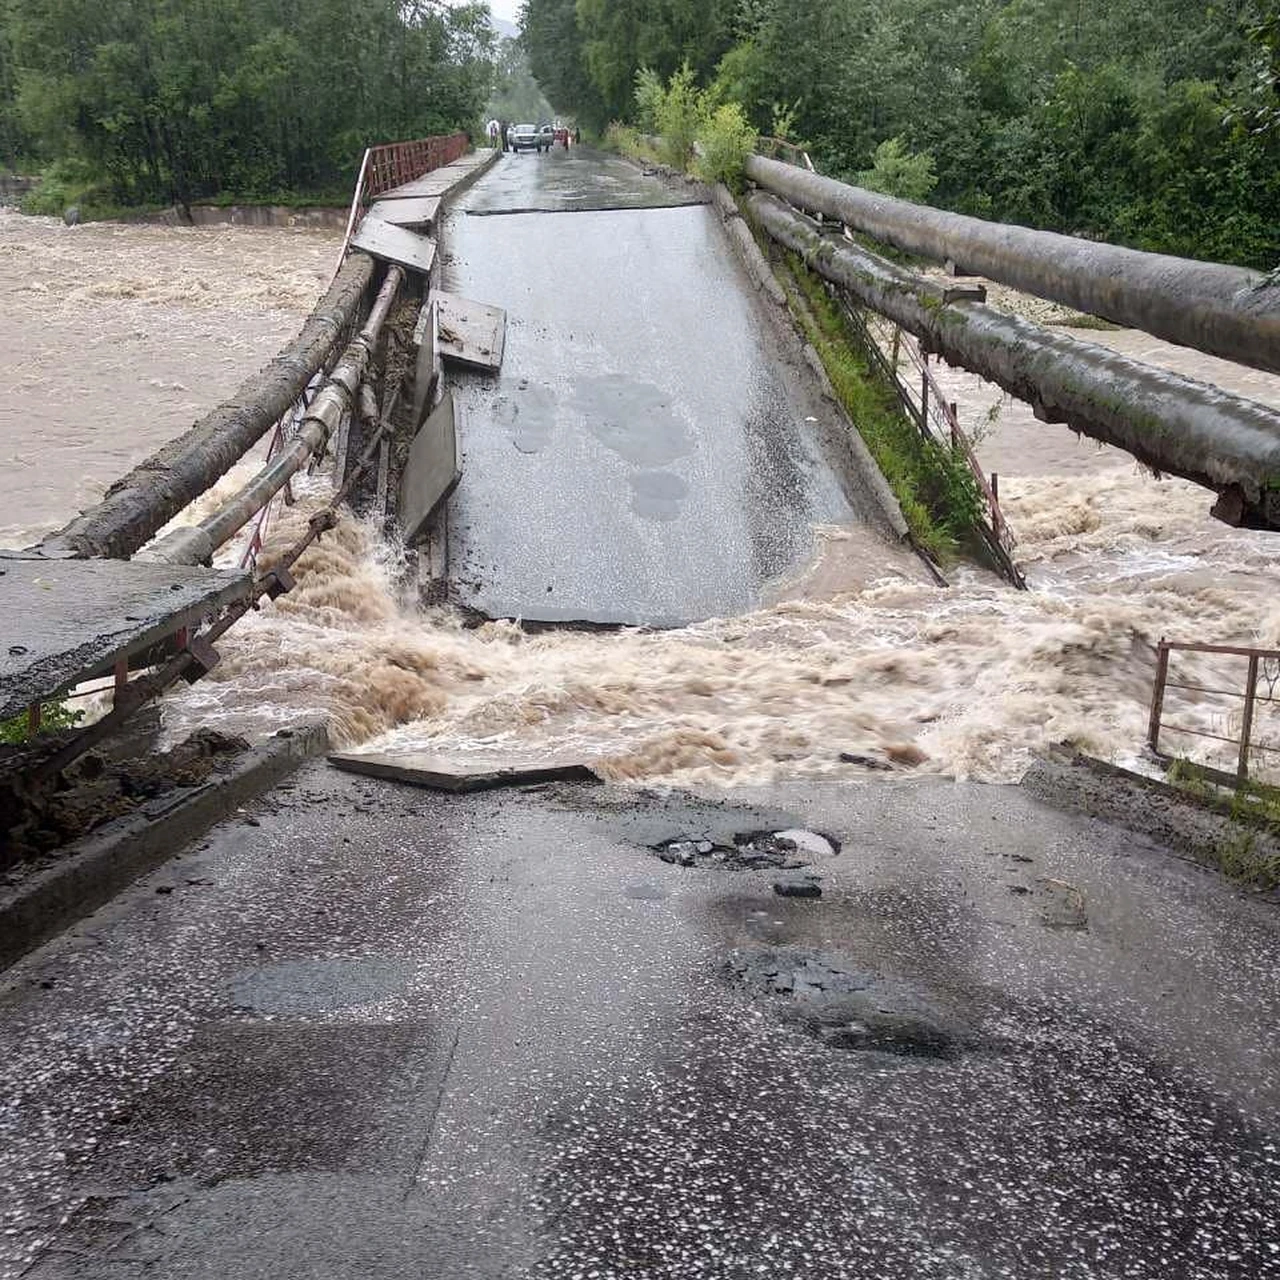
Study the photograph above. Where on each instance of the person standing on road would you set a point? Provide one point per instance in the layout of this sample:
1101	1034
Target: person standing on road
492	129
505	130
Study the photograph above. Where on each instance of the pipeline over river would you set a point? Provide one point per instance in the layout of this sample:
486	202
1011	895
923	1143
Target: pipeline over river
847	660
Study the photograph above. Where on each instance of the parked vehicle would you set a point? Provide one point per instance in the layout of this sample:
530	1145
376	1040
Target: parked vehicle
524	137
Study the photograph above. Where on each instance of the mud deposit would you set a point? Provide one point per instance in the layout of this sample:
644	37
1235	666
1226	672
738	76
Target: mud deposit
37	820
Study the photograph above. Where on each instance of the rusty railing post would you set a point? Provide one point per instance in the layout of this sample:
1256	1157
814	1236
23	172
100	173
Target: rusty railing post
1157	696
1246	721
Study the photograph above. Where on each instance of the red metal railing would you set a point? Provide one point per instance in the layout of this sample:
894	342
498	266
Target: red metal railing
399	162
1262	669
392	165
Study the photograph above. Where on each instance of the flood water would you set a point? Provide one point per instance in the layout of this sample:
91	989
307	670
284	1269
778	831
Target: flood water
115	338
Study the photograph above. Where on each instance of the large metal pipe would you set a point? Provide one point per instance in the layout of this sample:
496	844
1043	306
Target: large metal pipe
196	544
1226	311
137	506
1169	422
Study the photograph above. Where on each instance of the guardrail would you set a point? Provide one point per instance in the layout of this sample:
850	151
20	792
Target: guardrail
1262	669
937	420
395	163
933	414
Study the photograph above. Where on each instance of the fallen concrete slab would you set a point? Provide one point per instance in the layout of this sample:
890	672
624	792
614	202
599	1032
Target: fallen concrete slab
412	211
431	473
68	620
397	245
470	333
478	772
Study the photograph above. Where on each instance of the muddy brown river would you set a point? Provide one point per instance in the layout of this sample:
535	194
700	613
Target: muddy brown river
114	338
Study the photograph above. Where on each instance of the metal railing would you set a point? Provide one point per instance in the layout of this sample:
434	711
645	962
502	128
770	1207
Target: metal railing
938	421
935	416
392	165
1262	671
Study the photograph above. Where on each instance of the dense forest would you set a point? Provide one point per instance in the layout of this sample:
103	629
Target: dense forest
172	100
1149	122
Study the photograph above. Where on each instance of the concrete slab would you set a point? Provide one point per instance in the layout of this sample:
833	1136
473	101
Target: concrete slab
471	333
482	771
412	211
440	181
431	473
67	620
395	244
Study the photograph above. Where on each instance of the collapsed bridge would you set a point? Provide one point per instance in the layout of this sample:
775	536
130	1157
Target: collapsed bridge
323	394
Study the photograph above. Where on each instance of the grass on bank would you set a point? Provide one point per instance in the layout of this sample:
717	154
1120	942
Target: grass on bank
1248	852
53	716
932	482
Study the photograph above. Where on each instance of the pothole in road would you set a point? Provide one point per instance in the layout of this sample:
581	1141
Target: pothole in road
830	998
750	850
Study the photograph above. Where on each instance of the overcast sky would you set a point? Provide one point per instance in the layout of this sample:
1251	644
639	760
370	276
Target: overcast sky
509	9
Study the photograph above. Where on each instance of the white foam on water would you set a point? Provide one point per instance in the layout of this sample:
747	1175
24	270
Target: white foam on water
969	681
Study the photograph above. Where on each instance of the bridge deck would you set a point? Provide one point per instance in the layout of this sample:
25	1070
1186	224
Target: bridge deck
68	620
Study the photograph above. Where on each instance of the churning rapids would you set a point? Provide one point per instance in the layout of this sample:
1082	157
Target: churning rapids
115	337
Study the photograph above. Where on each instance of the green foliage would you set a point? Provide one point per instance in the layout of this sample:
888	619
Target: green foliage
680	114
933	483
725	140
1246	852
627	141
650	93
896	172
516	97
174	100
53	716
784	121
1149	122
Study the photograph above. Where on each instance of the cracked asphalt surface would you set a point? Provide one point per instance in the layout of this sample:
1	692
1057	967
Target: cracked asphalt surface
654	450
365	1031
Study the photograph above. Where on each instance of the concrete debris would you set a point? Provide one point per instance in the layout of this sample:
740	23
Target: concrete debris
750	851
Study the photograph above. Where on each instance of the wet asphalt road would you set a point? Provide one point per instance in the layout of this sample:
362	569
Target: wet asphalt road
654	450
382	1034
